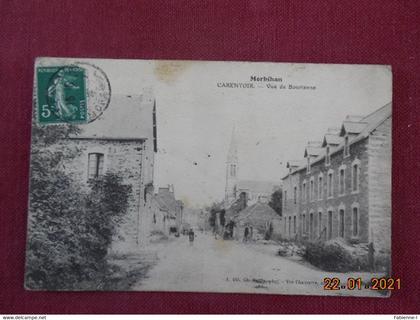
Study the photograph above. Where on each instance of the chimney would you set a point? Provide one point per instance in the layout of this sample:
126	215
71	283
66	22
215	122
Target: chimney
171	188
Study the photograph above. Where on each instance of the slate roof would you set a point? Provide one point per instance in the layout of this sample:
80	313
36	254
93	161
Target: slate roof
360	129
128	117
167	201
333	130
295	163
331	139
375	119
352	127
354	118
313	149
257	214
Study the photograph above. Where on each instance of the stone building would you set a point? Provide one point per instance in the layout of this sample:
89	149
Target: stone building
122	141
342	187
166	211
256	222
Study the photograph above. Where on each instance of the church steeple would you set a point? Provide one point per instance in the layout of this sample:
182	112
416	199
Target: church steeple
231	170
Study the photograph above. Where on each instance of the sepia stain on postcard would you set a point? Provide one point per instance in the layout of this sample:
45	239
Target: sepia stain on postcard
236	177
169	71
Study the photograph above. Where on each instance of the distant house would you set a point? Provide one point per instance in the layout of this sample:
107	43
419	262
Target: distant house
257	191
166	211
257	221
342	187
191	217
105	145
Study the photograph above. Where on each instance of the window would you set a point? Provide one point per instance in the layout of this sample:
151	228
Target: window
341	223
300	224
307	193
346	146
285	225
294	224
294	194
330	224
320	187
95	165
308	165
341	181
233	170
290	226
330	184
327	156
319	223
355	221
303	223
355	177
303	191
311	225
312	192
285	198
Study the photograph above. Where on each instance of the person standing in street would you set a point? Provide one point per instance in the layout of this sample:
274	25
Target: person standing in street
191	236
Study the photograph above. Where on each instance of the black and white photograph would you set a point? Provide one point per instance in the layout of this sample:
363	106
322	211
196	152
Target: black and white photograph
201	176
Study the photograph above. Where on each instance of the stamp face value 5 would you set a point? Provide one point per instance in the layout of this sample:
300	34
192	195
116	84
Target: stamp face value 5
61	95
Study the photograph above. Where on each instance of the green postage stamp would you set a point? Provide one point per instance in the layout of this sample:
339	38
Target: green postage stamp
61	95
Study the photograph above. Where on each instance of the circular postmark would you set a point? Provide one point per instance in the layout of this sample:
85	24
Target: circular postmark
98	90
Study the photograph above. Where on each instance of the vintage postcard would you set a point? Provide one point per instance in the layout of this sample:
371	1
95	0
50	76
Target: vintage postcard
210	177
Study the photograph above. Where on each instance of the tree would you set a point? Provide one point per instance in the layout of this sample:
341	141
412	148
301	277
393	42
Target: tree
54	214
70	228
105	205
276	201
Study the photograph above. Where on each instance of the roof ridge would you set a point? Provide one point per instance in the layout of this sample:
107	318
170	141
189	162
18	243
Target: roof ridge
377	110
368	128
351	121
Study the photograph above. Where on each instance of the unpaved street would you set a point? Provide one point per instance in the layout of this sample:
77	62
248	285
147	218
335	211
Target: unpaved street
229	266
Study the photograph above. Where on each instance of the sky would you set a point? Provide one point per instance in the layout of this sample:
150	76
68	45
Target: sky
195	117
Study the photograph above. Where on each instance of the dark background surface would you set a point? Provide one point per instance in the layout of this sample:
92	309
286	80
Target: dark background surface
372	32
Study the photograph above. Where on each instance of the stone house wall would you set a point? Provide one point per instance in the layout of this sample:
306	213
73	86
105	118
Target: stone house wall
179	215
125	158
346	201
291	208
379	151
160	220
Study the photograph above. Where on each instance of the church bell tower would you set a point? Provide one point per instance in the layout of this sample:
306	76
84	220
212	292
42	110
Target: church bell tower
231	171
